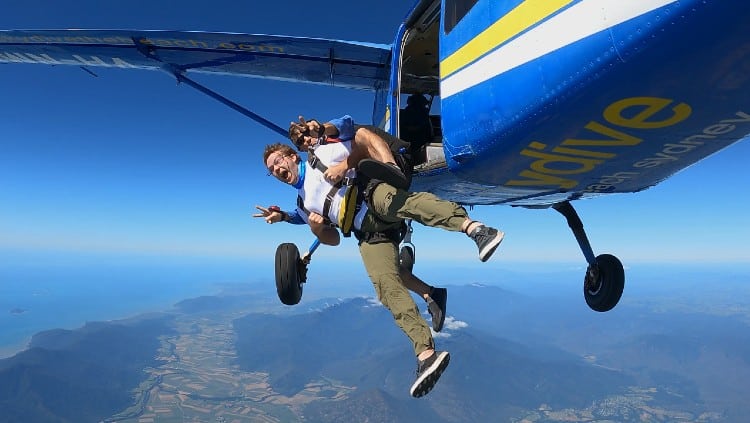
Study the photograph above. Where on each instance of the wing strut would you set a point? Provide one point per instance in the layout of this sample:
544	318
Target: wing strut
179	74
254	116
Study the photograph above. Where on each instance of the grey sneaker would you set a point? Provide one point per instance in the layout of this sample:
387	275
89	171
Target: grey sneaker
487	240
428	373
436	302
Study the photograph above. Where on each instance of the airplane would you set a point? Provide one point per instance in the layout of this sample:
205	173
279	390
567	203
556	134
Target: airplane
530	103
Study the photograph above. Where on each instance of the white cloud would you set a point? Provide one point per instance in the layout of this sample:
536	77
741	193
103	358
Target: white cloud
450	324
373	302
453	324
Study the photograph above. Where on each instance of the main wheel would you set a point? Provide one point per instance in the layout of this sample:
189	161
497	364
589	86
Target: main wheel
604	283
288	278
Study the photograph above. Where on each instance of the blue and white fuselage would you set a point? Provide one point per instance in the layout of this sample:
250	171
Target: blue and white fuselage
545	101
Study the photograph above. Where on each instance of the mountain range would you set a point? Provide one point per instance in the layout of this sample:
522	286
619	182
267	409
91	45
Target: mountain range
514	357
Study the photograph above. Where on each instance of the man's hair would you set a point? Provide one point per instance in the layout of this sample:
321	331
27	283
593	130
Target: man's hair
284	149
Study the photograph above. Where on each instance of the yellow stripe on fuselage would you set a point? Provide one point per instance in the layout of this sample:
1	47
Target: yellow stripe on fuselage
511	24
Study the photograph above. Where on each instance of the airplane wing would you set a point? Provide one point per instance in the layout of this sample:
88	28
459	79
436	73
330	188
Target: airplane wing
313	60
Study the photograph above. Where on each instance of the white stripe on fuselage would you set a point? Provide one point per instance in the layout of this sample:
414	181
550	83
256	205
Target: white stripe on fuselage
576	23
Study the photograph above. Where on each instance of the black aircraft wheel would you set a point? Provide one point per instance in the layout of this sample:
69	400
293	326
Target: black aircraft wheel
289	279
604	283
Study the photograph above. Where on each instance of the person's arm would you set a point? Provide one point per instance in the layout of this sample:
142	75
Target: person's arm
307	132
274	214
326	234
346	130
368	144
294	218
336	172
345	127
365	143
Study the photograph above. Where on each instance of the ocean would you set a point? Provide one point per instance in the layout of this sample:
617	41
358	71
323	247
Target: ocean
67	294
39	292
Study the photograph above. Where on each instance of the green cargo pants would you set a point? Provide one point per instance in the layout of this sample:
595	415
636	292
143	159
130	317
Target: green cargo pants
381	263
388	206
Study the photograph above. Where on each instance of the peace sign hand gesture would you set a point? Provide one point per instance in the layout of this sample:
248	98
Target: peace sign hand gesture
271	214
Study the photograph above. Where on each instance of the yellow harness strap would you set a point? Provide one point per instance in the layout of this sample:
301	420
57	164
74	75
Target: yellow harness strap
348	210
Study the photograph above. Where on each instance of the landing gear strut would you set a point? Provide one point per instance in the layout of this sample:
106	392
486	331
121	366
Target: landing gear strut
605	277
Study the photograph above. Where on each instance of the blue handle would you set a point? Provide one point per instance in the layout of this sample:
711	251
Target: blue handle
314	246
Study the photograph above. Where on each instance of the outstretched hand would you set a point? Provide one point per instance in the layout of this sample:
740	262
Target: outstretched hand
315	128
270	216
304	133
303	127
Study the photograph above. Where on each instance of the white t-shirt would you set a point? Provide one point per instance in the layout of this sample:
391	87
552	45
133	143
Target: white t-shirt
315	188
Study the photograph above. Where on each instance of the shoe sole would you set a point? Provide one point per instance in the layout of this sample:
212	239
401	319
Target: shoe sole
387	173
427	380
437	324
490	248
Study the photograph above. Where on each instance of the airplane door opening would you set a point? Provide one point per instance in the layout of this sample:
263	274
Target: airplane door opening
419	89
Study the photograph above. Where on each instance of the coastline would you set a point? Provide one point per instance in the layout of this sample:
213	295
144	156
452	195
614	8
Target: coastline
67	291
8	351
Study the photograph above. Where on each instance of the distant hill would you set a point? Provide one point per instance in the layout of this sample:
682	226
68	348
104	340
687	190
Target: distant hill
357	343
370	405
295	349
542	357
705	359
79	376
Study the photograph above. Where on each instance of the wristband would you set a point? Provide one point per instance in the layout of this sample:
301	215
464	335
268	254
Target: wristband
277	209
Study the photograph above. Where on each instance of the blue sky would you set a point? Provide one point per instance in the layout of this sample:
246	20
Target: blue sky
129	163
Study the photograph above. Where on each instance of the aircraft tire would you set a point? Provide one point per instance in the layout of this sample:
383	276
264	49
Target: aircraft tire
288	280
610	284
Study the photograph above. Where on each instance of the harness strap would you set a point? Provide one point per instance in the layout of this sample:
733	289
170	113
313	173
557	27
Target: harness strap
350	206
315	161
301	205
329	199
393	235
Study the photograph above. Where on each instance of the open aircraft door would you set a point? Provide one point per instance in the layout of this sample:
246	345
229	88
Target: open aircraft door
415	84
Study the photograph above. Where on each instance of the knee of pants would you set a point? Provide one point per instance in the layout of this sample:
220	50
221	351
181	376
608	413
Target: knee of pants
380	283
391	292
